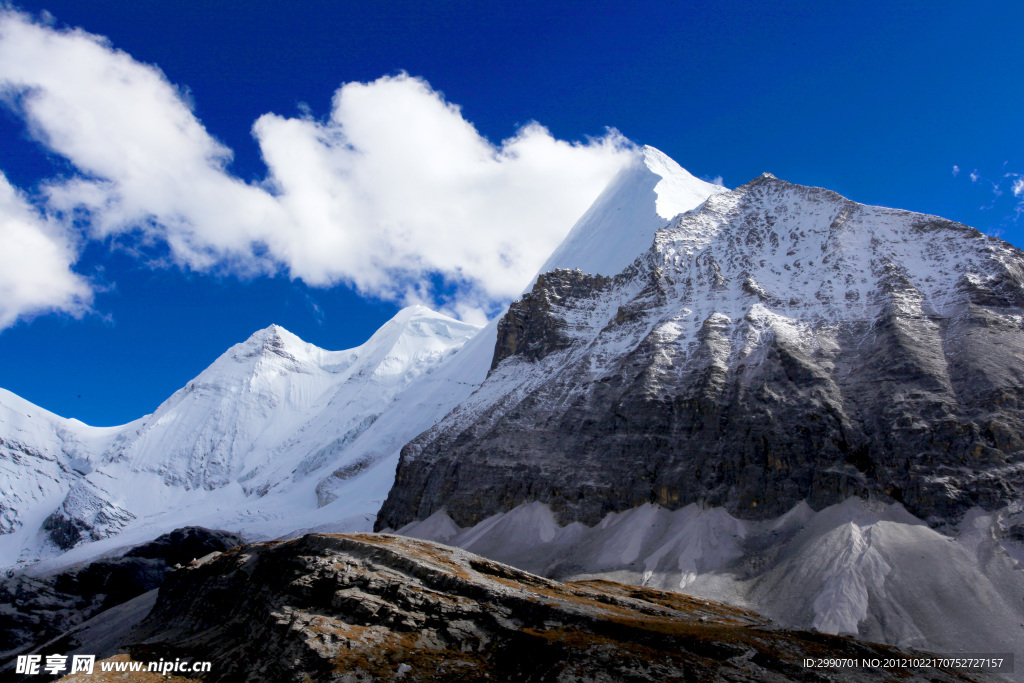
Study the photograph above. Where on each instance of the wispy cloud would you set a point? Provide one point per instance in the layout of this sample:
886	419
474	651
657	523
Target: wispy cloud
1018	187
389	193
318	312
996	192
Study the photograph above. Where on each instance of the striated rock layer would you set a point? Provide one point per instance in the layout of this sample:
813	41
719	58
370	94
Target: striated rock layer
364	607
779	343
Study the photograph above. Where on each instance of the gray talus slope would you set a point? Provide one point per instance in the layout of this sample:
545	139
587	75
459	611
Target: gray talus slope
779	343
861	567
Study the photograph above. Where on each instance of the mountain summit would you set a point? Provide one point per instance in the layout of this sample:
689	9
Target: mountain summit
788	400
620	224
232	419
779	343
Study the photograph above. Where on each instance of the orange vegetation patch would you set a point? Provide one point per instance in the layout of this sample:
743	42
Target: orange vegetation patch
676	601
404	654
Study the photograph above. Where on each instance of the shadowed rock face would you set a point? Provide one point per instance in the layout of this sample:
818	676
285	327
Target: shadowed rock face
85	514
36	609
529	330
367	608
780	343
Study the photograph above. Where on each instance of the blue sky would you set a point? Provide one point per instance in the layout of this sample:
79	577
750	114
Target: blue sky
160	255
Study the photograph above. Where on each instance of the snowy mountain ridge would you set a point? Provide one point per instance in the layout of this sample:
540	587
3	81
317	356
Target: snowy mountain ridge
275	413
261	392
253	442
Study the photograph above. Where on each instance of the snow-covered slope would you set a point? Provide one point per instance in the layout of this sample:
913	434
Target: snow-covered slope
41	455
620	224
274	436
246	402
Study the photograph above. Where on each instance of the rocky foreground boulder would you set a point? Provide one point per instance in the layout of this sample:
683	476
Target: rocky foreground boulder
366	607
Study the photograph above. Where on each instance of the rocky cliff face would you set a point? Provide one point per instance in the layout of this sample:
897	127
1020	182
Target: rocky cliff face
777	344
365	607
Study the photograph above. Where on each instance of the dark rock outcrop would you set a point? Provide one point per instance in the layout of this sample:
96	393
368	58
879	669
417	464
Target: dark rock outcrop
36	609
529	329
368	607
778	344
183	545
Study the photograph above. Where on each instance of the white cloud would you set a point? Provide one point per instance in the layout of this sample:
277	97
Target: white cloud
956	170
35	263
1018	187
393	191
398	182
146	161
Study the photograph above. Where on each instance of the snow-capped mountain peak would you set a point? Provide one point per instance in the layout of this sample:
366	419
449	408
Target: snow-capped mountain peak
272	342
410	343
678	190
272	415
264	389
621	223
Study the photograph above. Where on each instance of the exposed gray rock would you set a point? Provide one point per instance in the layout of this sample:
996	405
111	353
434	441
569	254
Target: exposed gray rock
85	515
779	343
183	545
529	330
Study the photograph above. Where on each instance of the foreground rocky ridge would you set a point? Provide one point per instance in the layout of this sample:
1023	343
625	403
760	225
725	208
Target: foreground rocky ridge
367	607
778	344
